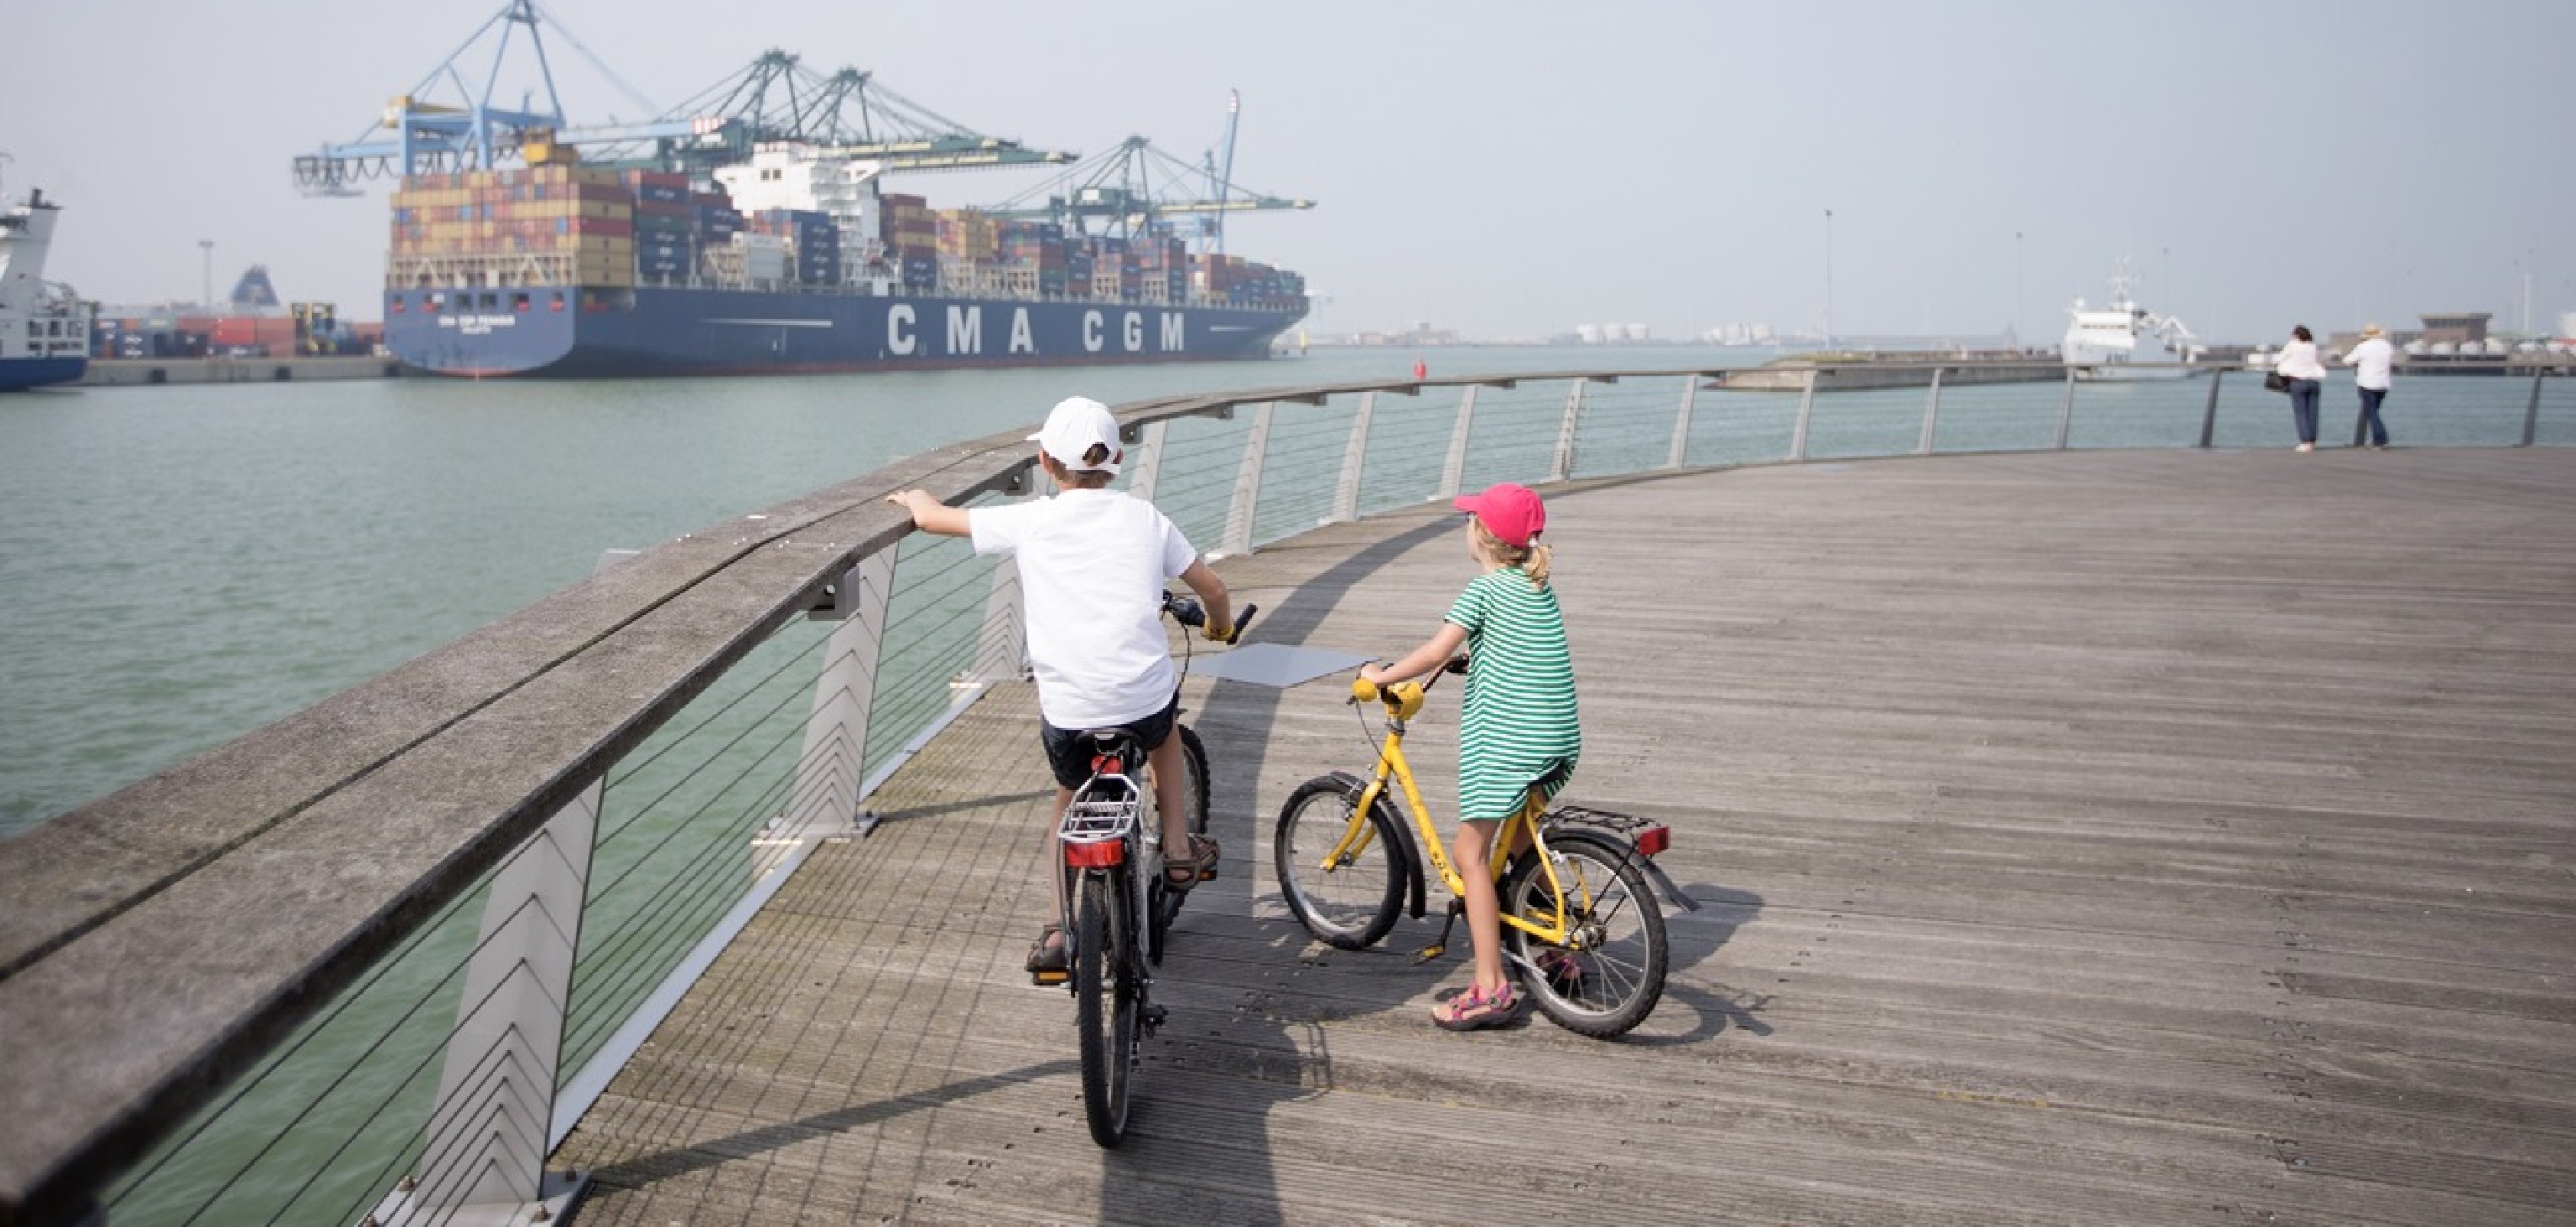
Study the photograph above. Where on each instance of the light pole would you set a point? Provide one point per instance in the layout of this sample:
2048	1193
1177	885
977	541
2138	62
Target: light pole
2016	311
1829	279
208	246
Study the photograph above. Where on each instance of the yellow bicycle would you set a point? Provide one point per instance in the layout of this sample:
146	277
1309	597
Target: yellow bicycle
1582	932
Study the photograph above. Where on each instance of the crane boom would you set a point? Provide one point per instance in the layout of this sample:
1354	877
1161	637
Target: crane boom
847	114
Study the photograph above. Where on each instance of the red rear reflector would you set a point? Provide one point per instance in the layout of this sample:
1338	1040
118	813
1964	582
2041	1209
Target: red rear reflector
1101	855
1654	839
1107	765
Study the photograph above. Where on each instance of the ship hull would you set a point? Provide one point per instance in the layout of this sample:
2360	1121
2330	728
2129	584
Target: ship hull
547	332
19	374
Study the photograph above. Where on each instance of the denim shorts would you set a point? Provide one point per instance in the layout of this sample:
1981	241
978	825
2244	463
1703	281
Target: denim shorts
1068	752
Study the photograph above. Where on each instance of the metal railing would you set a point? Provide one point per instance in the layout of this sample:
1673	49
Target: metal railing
374	961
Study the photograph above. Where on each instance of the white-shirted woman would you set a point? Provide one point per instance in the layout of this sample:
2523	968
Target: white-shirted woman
2298	364
2371	361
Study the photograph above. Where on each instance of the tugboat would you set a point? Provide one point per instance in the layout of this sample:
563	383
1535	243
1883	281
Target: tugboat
2110	342
44	326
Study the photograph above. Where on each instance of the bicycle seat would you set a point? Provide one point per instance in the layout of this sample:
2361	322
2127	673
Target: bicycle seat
1554	777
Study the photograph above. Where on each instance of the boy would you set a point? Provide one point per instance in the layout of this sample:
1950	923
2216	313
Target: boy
1093	562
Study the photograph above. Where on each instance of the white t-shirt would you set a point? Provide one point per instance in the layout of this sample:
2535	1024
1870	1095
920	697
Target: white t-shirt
1092	568
2299	361
2374	357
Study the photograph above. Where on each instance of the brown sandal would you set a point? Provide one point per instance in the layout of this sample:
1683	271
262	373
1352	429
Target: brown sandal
1047	961
1183	872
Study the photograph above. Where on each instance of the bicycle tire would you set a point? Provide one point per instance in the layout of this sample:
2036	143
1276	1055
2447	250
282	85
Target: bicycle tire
1162	902
1350	906
1105	1008
1612	975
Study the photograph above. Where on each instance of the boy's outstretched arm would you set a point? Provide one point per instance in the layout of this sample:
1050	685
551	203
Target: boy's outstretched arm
929	514
1212	595
1450	640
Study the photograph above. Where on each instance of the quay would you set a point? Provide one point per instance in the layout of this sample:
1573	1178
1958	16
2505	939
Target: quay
1906	371
134	372
2153	834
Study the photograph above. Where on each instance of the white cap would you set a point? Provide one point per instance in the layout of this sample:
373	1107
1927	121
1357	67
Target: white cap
1076	423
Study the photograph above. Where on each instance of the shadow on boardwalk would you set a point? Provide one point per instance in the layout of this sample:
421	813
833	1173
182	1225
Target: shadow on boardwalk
2148	837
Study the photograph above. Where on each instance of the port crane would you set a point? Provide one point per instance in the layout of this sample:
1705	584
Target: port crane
453	121
1136	189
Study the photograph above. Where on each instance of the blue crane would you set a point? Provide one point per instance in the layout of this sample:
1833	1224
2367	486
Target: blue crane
450	121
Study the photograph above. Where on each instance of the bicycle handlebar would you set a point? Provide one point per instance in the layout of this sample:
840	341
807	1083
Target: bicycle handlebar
1187	611
1364	690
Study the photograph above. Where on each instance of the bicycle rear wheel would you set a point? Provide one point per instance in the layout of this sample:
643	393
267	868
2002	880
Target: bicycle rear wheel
1105	1006
1610	973
1350	900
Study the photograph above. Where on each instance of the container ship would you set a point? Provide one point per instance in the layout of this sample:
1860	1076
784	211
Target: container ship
791	261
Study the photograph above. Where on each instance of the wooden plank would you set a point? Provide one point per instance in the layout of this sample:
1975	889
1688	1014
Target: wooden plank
2139	836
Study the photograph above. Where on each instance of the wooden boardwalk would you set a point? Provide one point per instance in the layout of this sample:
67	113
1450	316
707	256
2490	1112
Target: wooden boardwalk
2154	837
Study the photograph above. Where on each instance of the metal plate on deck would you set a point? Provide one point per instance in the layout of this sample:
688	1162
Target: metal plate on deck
1274	664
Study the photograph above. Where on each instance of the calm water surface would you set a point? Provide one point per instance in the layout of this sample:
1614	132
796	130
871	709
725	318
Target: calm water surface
181	565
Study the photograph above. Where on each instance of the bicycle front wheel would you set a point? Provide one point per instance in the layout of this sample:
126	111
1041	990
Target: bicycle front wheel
1347	898
1162	902
1609	973
1105	1006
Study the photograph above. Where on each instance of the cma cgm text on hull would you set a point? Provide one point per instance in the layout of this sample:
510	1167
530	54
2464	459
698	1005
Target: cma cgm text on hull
591	333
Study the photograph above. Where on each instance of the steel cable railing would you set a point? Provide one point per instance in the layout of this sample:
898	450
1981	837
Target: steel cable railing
687	829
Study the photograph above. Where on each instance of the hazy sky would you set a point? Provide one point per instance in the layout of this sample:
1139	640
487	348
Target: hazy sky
1500	168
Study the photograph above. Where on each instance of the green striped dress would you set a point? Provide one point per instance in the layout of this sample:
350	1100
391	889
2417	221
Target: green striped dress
1519	717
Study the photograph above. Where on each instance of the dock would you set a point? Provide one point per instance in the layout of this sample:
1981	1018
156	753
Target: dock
1907	371
137	372
2122	837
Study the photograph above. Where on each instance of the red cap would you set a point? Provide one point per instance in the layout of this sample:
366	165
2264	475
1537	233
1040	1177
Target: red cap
1512	513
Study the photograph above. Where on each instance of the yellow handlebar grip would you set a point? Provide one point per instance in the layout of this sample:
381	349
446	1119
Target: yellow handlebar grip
1363	690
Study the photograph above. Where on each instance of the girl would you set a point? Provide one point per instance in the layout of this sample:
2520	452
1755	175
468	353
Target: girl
1518	728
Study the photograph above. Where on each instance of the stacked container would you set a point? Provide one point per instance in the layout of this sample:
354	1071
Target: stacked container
1162	265
1032	259
541	225
664	245
912	241
813	243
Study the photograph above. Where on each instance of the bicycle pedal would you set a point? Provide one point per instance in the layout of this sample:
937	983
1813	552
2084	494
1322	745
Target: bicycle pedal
1155	1016
1430	952
1049	979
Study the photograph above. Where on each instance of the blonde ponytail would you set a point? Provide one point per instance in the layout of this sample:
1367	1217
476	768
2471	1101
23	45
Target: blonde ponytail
1533	559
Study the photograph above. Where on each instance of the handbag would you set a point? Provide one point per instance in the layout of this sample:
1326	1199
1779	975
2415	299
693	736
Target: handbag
2276	382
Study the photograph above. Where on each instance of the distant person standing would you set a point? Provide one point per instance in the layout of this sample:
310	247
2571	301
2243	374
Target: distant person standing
2298	364
2372	359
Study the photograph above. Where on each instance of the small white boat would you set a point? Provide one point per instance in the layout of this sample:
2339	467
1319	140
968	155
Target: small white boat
2113	340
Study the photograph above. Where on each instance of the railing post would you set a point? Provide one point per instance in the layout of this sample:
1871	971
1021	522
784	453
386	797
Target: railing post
1561	466
1679	453
1346	496
1806	409
1453	471
2531	412
1247	486
834	761
1931	414
1149	461
2209	412
484	1154
2066	412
